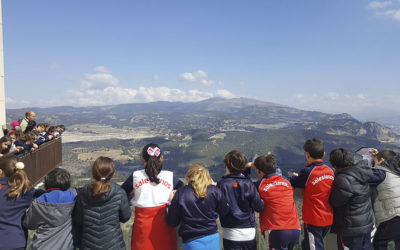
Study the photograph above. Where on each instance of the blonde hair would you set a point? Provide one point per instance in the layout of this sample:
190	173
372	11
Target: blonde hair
200	179
18	181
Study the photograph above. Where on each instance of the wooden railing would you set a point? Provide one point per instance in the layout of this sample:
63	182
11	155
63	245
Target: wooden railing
41	161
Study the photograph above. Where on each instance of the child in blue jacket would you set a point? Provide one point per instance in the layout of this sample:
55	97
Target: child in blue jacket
239	224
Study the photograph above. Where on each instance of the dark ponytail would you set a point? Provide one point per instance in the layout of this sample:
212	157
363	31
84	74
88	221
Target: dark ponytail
152	153
103	170
18	181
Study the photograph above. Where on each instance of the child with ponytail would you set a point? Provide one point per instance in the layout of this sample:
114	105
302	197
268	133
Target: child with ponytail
194	207
99	209
15	197
150	188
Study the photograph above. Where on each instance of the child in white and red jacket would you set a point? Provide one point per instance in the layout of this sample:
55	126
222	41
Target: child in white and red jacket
150	188
279	216
243	198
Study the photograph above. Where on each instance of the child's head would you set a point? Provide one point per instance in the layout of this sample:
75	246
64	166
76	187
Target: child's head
58	178
235	162
152	158
5	144
103	170
13	136
266	164
314	149
40	128
200	179
29	137
384	155
46	126
18	181
60	128
51	130
340	158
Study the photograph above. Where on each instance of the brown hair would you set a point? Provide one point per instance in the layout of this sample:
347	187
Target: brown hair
200	179
266	164
18	181
103	170
236	162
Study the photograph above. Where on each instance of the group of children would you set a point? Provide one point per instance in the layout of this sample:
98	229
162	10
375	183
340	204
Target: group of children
337	199
15	141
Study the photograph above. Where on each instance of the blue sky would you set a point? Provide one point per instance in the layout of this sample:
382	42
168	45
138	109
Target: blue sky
332	56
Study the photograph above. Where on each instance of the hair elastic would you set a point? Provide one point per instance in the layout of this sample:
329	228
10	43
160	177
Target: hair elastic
103	178
19	165
154	151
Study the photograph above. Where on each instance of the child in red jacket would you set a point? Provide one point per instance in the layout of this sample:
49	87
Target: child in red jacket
316	179
279	216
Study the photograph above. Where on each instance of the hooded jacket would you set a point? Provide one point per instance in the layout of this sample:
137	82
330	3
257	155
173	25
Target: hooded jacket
97	220
51	216
351	201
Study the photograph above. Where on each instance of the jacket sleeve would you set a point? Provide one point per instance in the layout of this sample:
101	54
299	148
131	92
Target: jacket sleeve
128	185
341	193
300	180
173	216
124	209
77	219
378	176
177	183
256	202
31	218
222	204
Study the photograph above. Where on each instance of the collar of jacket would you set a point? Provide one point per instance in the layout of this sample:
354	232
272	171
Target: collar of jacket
315	163
269	175
240	176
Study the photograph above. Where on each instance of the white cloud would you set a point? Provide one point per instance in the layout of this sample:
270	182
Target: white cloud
391	14
199	77
352	103
118	95
101	79
55	66
102	88
333	95
10	100
386	9
379	4
102	69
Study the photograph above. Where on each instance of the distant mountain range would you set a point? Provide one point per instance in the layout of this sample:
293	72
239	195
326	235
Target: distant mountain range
212	114
203	132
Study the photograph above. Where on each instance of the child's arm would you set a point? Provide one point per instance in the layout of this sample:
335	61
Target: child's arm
173	216
340	193
222	204
378	176
124	208
300	180
128	185
177	183
31	221
77	219
256	202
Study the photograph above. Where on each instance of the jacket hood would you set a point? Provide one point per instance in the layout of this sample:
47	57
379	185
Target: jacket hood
361	172
54	214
